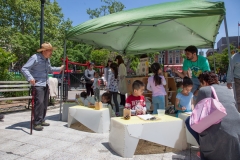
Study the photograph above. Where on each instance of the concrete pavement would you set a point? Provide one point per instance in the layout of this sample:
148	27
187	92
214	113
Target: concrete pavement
60	142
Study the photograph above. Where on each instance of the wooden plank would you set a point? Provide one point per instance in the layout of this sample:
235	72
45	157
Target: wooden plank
11	82
16	98
16	86
14	90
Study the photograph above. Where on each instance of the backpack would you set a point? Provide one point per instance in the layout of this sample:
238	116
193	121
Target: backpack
206	113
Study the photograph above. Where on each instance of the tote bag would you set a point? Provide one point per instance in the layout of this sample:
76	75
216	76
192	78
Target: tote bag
206	113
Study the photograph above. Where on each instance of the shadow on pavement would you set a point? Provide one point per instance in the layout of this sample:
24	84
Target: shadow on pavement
106	144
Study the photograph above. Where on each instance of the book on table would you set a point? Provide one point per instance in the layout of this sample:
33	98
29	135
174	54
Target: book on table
147	117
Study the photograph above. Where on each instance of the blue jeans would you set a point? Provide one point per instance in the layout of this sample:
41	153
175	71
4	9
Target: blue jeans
158	103
195	134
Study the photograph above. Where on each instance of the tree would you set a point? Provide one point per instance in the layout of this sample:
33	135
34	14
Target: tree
6	59
221	60
20	23
111	6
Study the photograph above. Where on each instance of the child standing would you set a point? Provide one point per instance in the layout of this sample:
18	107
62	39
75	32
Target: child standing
113	86
106	98
96	87
184	102
136	101
156	85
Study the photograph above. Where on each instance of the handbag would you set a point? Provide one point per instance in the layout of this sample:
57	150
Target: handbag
206	113
87	80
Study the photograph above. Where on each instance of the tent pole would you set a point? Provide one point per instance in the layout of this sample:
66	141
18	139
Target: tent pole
230	61
61	91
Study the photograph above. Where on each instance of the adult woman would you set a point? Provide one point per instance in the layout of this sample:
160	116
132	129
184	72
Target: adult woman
220	141
122	73
89	78
107	73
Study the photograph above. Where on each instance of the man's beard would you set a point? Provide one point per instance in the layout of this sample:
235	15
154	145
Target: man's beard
189	58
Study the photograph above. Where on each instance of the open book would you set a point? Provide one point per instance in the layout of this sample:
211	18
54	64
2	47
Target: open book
147	117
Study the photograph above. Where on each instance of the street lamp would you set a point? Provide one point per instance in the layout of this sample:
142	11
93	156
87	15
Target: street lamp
42	22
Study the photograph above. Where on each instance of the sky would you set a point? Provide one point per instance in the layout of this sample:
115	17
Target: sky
75	10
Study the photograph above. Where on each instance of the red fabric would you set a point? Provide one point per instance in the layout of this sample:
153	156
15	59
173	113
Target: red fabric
135	103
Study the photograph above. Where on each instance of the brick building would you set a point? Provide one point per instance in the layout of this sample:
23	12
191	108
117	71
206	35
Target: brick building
222	43
171	58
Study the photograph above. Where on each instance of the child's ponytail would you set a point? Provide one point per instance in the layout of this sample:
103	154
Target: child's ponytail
155	68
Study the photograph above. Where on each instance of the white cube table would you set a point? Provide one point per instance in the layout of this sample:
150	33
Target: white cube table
96	120
125	134
190	139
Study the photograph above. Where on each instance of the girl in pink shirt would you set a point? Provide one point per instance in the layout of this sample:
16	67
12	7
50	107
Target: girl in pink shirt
156	85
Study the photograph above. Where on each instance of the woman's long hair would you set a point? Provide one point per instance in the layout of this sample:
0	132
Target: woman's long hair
114	67
209	77
120	60
107	63
155	68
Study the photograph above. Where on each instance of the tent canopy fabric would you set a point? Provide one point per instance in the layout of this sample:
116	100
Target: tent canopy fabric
165	26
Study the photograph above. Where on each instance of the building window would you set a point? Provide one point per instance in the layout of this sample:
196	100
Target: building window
170	58
177	58
160	58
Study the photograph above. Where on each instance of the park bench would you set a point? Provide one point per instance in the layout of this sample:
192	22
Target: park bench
15	86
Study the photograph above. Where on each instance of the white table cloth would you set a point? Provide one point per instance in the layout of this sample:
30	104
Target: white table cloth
125	134
190	139
96	120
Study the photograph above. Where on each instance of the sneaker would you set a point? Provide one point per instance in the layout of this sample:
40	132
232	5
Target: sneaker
45	124
1	117
198	154
38	127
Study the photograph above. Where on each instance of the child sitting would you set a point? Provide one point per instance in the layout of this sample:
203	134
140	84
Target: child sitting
84	99
184	102
136	101
106	98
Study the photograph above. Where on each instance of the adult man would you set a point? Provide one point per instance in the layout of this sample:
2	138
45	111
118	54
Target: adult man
36	72
196	63
235	61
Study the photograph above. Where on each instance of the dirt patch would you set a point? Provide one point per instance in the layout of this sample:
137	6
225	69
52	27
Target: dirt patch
145	147
79	126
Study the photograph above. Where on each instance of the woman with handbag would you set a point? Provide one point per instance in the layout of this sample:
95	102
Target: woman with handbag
89	78
122	73
221	140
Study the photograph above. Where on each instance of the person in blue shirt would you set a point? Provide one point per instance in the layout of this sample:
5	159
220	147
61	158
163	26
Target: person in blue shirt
36	71
184	99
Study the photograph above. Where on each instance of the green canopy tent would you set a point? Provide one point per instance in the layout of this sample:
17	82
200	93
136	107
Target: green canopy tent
153	28
173	25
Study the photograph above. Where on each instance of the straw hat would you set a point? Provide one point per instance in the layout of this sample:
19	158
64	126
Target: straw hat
46	46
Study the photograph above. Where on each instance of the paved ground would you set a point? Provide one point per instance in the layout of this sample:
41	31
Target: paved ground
60	142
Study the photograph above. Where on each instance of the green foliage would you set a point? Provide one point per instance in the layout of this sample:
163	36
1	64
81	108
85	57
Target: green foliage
20	27
111	6
79	52
6	59
221	60
100	57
